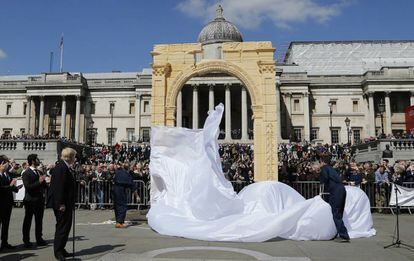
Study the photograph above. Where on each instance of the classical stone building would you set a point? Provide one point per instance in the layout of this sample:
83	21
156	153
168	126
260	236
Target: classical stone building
347	78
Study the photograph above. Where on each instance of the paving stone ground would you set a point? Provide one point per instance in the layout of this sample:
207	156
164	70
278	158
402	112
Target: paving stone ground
97	239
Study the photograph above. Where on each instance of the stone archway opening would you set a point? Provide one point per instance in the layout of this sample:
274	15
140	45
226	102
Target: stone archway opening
251	63
202	93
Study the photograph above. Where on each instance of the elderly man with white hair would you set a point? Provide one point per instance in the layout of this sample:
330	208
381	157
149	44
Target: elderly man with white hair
61	199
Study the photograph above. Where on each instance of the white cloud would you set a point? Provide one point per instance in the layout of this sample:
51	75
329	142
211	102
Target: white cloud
252	13
3	54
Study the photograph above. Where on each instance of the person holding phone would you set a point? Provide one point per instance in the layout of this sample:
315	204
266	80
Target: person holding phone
7	187
34	201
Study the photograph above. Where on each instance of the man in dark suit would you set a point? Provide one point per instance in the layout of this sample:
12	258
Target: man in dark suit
122	181
34	201
62	199
336	198
7	187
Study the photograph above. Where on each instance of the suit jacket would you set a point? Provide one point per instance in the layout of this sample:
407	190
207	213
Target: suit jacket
34	190
62	184
333	184
124	179
6	192
331	179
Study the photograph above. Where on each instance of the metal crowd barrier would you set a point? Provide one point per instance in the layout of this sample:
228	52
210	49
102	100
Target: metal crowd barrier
98	194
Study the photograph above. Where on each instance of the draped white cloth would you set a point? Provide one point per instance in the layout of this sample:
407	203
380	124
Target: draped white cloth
191	197
405	196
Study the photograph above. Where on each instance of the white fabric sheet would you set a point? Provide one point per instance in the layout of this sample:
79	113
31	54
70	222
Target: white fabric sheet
191	197
405	196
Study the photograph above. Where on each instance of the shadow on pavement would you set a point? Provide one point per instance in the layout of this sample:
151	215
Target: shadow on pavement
77	238
17	257
97	250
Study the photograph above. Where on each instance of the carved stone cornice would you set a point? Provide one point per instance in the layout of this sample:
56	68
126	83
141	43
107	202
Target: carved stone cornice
267	67
161	70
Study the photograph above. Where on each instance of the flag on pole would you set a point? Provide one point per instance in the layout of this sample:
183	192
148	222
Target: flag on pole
61	53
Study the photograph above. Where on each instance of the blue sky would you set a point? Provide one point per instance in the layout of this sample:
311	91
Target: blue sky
106	35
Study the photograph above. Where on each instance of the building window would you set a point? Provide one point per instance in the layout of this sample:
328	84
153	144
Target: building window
7	132
335	136
146	134
296	105
131	107
8	109
111	136
298	134
93	108
130	135
92	135
314	134
219	53
355	106
111	108
146	107
357	136
24	108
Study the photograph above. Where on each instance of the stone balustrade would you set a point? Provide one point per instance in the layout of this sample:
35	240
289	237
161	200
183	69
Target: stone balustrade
402	149
47	150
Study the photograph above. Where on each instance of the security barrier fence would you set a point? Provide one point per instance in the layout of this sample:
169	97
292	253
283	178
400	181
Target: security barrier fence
98	194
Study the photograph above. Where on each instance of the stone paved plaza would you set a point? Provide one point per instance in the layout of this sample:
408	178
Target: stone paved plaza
99	240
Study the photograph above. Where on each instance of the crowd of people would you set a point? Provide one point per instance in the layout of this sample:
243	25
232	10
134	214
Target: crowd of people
295	161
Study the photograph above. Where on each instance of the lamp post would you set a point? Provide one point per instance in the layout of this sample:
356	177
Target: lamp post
381	110
91	133
111	108
54	111
330	118
348	132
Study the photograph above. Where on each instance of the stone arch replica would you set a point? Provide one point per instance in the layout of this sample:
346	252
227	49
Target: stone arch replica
251	62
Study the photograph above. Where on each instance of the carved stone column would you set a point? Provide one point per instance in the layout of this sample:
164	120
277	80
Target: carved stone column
288	101
180	109
211	97
244	133
195	106
77	118
306	114
371	114
41	115
63	118
138	116
28	113
227	109
388	125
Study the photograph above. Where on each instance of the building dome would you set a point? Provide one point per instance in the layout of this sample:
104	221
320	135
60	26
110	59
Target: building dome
219	31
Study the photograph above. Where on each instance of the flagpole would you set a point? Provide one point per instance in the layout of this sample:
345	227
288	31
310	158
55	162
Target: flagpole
61	54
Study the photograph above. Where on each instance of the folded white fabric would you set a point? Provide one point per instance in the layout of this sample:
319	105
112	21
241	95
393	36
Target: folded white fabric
191	197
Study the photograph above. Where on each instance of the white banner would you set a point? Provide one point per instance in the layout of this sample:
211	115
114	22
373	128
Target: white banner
405	198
